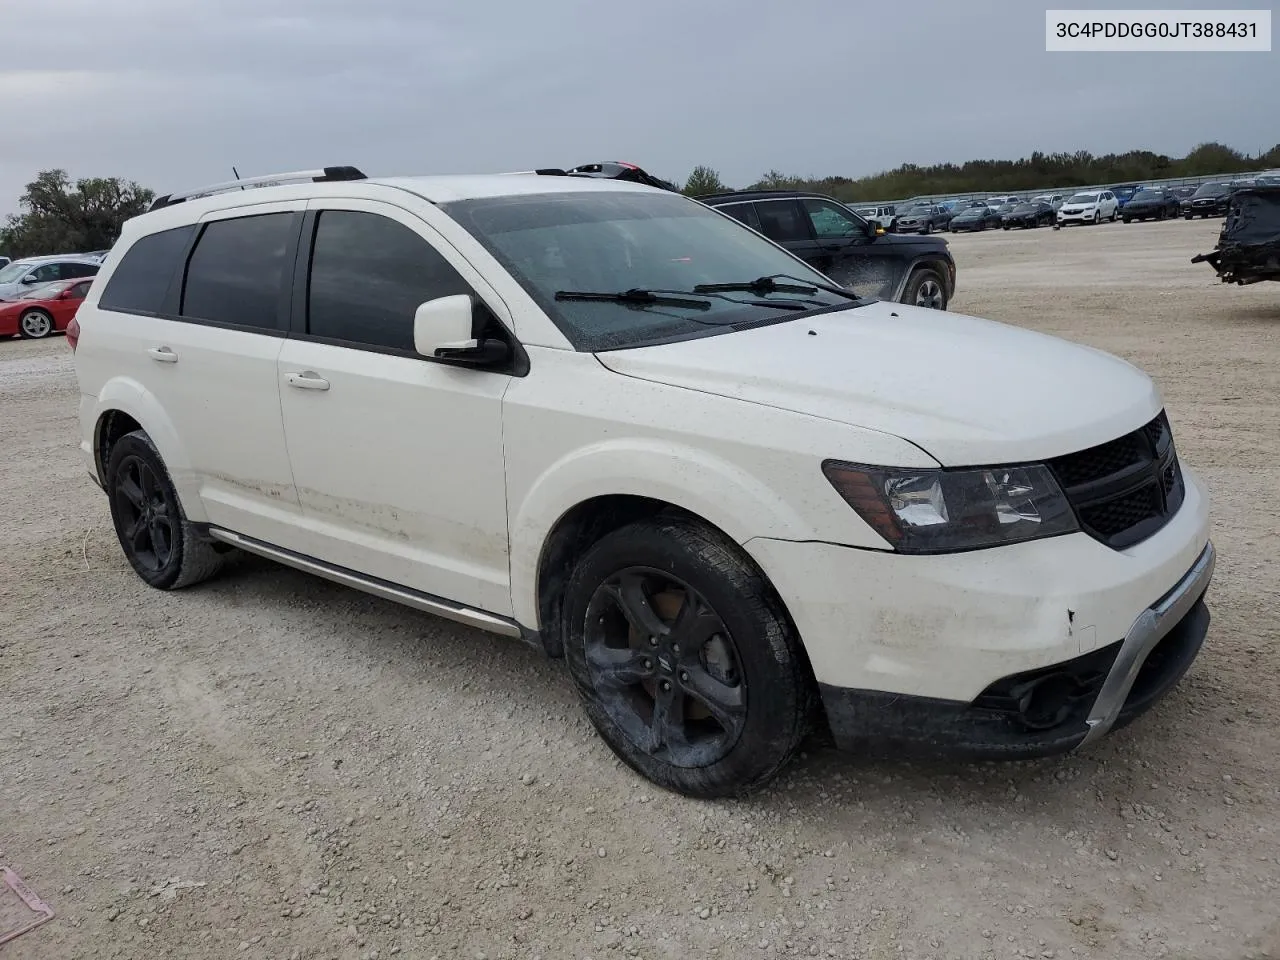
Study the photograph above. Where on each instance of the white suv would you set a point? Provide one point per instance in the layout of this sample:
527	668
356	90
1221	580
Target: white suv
620	425
1092	206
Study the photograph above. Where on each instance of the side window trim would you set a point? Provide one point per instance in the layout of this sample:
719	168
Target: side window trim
296	327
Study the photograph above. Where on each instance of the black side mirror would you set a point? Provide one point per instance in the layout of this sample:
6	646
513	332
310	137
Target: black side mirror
486	353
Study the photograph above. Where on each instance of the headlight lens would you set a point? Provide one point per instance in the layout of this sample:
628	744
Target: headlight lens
942	511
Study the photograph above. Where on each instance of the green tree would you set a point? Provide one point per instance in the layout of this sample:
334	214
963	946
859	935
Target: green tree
702	181
1039	171
60	217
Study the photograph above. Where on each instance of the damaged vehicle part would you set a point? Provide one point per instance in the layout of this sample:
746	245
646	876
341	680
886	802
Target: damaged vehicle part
1248	249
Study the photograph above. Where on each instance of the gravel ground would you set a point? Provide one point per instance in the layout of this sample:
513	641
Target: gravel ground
272	766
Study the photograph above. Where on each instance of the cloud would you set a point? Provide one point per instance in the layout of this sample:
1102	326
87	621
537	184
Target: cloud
172	93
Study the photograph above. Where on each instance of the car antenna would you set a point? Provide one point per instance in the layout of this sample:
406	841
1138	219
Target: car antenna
237	173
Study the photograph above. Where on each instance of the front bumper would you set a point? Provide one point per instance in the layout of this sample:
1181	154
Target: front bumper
958	632
1082	217
1041	712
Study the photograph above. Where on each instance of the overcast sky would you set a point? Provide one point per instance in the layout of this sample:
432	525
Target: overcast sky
172	93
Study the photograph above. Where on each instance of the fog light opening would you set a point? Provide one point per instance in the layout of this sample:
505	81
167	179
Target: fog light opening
1047	701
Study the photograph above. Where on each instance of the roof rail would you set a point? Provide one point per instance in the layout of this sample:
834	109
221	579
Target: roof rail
326	174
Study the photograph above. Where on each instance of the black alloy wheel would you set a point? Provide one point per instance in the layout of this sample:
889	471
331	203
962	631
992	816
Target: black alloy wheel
158	540
685	659
666	667
146	514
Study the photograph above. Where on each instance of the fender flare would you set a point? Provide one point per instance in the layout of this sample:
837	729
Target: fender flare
130	397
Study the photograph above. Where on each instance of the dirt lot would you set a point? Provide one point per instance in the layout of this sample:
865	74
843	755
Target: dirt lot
271	766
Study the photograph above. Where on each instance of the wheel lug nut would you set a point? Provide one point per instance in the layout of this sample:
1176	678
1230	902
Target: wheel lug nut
653	641
648	664
666	685
675	648
684	677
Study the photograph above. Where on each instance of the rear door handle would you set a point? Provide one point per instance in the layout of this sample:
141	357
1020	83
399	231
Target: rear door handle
308	380
162	354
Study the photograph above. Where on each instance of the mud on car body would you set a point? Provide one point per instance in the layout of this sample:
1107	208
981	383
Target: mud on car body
926	530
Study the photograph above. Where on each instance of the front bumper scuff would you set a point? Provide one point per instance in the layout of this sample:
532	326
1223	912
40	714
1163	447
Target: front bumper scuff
1102	690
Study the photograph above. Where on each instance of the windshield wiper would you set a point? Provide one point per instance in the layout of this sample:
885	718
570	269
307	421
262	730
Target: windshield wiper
760	285
828	287
769	284
636	297
676	298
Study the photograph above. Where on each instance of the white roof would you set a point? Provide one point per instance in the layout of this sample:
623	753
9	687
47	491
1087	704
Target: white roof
444	189
440	189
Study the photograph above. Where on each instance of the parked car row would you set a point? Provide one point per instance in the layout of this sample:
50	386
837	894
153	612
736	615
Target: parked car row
40	295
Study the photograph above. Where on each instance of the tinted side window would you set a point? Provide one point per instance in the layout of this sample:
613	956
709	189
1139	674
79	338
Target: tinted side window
369	275
782	220
79	291
743	213
142	278
236	269
832	220
46	272
70	271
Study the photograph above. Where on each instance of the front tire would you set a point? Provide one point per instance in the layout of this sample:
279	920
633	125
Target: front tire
35	325
925	289
158	540
684	659
925	230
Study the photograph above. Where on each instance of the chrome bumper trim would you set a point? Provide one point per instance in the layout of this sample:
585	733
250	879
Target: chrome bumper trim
1152	625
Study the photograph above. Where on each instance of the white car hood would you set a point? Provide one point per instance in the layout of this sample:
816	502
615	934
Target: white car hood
968	391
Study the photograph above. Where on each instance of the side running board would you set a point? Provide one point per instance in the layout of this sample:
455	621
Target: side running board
379	588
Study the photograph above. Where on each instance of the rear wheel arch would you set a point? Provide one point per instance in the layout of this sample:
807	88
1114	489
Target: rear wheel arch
111	427
123	407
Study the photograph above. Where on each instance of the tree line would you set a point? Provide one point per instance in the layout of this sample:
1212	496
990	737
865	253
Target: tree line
61	216
1036	172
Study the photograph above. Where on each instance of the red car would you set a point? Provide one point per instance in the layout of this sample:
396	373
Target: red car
39	312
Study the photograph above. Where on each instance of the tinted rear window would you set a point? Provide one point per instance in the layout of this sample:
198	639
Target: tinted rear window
140	282
236	270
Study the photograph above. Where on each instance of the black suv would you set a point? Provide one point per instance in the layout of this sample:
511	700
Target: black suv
829	236
825	234
1209	200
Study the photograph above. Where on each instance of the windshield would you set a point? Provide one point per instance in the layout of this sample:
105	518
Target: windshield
13	271
1148	195
1025	207
1083	198
615	242
1210	189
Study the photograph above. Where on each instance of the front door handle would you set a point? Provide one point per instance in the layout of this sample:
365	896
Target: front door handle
308	380
162	354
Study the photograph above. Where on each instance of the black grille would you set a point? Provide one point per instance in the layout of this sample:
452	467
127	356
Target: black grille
1125	490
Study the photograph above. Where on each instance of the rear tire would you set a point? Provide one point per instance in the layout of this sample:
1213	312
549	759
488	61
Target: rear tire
35	325
684	659
158	540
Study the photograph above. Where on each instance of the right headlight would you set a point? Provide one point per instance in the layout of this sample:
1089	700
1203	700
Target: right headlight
944	511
